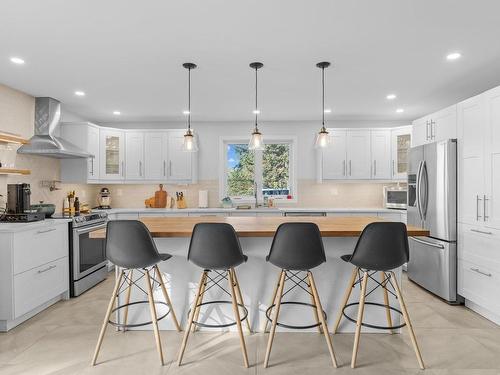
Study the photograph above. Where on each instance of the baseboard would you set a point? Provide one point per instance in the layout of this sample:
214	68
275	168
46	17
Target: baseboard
495	318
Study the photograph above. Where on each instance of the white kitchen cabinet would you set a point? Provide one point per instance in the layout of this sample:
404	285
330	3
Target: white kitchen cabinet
420	132
358	154
33	270
438	126
400	146
334	157
85	136
134	156
381	154
155	161
179	161
112	154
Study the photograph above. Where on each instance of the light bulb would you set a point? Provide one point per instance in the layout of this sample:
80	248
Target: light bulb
189	144
256	142
322	139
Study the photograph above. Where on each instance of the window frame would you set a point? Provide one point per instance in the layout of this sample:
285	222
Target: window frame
259	178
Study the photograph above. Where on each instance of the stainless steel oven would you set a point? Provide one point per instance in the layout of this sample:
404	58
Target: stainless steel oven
89	265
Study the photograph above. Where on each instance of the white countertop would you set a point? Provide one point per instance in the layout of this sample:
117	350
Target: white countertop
19	227
252	210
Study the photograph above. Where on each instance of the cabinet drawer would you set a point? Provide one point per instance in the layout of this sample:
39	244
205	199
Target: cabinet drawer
39	246
37	286
479	284
479	245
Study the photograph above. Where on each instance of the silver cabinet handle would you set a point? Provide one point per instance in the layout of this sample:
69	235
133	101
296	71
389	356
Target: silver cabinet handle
477	208
484	208
343	167
46	231
164	168
374	167
436	245
123	170
393	169
481	231
170	168
477	270
47	269
427	130
140	168
91	166
350	168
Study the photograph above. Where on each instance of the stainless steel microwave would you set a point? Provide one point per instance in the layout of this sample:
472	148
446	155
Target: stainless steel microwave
396	197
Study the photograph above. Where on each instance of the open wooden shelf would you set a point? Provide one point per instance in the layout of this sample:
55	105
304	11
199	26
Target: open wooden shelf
14	171
12	138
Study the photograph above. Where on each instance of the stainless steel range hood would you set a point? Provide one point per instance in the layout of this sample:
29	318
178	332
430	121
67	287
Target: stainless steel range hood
44	142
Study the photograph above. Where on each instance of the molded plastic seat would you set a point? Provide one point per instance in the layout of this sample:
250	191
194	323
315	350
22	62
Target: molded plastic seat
297	246
129	245
215	246
381	247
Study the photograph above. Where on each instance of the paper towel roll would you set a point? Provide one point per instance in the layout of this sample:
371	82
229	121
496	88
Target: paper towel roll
203	199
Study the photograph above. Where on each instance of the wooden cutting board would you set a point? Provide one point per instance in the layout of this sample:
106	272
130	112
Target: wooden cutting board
160	198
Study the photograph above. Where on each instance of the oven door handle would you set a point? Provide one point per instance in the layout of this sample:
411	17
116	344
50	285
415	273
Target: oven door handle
90	229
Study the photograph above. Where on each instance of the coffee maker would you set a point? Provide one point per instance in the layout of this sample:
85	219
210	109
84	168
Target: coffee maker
104	199
19	204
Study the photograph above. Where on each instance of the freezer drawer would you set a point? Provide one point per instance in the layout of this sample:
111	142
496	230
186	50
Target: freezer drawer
433	265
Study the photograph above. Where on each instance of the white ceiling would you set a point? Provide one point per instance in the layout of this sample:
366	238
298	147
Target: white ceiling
127	55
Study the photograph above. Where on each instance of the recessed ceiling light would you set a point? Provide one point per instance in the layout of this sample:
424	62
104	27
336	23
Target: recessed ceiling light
185	112
391	96
400	110
17	60
453	56
79	93
328	110
256	111
117	113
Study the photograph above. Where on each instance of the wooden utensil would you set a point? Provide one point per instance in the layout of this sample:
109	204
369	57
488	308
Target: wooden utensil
161	198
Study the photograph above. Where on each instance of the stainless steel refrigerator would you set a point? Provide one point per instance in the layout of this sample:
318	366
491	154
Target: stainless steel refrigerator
432	205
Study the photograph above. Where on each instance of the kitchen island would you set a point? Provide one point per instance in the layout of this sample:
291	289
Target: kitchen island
258	277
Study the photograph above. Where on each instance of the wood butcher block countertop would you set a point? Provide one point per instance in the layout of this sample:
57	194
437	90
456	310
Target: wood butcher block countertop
261	226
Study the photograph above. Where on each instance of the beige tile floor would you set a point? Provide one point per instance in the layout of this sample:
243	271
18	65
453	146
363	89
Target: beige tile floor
60	340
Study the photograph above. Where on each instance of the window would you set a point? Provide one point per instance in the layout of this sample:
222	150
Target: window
271	171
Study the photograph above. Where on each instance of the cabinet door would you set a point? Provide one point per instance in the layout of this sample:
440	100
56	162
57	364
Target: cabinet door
492	159
111	154
155	163
444	124
381	154
400	143
93	148
358	154
420	132
179	161
471	125
134	157
334	156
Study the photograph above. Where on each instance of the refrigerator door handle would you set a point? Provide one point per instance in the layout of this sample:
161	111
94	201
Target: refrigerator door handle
426	191
418	193
436	245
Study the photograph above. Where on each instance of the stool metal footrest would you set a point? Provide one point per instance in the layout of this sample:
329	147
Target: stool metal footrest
121	325
268	313
372	325
199	324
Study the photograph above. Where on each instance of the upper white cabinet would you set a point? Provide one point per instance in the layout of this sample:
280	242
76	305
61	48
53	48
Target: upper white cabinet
435	127
155	161
381	154
134	156
84	135
400	146
112	154
333	158
358	154
179	161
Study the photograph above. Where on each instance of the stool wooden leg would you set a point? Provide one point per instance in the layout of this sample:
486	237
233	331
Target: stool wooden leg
198	308
273	300
127	298
347	295
319	312
187	330
386	301
167	298
237	317
361	309
406	317
154	318
240	297
275	318
106	317
315	311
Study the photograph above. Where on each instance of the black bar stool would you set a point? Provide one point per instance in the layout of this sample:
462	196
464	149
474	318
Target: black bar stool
297	248
215	248
381	247
129	246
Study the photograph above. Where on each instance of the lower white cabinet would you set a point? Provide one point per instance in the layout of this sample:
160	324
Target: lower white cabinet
34	270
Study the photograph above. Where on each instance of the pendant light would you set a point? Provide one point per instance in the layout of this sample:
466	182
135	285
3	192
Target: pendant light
190	144
256	141
323	138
